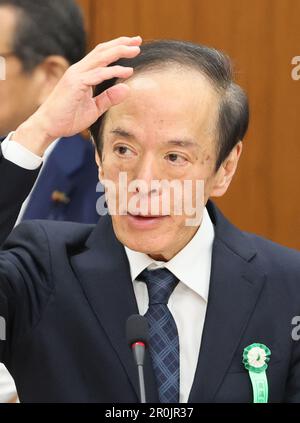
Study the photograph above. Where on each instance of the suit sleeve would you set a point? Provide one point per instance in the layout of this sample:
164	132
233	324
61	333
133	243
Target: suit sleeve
15	185
25	285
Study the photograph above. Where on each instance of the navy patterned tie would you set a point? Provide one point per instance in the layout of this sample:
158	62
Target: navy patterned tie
163	334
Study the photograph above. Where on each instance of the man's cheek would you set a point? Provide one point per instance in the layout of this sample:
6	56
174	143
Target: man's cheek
110	170
113	166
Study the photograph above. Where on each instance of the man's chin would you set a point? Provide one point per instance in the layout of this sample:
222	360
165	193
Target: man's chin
144	236
142	245
142	242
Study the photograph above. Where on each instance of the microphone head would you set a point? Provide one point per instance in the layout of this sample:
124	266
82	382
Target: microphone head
137	330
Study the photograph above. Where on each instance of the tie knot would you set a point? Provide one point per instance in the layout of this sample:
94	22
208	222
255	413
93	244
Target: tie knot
160	283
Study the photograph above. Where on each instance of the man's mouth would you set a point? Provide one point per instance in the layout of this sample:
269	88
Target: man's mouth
146	216
141	221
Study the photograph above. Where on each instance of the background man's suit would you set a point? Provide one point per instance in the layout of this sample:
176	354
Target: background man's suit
71	170
66	294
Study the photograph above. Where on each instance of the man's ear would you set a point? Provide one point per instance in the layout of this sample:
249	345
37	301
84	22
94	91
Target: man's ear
99	164
48	73
226	171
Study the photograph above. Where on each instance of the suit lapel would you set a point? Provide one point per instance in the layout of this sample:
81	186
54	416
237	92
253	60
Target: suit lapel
235	287
104	274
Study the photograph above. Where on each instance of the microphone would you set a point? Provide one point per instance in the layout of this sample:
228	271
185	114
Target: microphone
137	338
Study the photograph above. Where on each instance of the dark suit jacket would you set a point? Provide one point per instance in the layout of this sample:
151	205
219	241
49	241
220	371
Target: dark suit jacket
66	293
70	169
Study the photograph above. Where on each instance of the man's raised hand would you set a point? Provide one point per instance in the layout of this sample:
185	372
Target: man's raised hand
71	107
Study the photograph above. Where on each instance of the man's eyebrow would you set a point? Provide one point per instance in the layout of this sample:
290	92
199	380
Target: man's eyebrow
122	133
183	143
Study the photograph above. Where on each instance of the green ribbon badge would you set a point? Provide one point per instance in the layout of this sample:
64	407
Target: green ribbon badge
255	359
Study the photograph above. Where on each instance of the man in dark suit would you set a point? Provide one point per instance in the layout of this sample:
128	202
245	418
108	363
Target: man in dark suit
39	41
222	332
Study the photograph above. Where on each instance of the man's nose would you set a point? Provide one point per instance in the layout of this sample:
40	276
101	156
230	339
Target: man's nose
147	176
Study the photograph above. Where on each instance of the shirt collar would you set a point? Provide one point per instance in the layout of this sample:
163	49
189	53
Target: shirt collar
190	265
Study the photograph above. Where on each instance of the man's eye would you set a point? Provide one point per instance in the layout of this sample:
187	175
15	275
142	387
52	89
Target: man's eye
176	158
122	150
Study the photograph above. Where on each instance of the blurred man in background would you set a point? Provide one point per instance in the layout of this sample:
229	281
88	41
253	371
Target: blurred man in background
39	40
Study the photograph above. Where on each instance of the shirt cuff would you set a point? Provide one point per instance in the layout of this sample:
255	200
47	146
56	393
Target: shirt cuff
19	155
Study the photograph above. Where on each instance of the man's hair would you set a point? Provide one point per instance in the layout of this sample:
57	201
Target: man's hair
214	65
45	28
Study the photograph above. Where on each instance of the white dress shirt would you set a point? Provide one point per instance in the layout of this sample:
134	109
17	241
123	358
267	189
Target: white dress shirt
192	266
188	301
19	155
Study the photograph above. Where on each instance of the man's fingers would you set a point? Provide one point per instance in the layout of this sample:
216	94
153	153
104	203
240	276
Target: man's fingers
115	53
96	76
126	41
108	56
98	55
111	97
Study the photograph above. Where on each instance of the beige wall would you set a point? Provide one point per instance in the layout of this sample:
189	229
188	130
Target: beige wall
262	37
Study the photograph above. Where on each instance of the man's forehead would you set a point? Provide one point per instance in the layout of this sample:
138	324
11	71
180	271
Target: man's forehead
180	113
169	94
168	77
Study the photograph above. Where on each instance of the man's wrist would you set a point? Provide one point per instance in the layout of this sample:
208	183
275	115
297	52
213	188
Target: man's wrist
32	134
